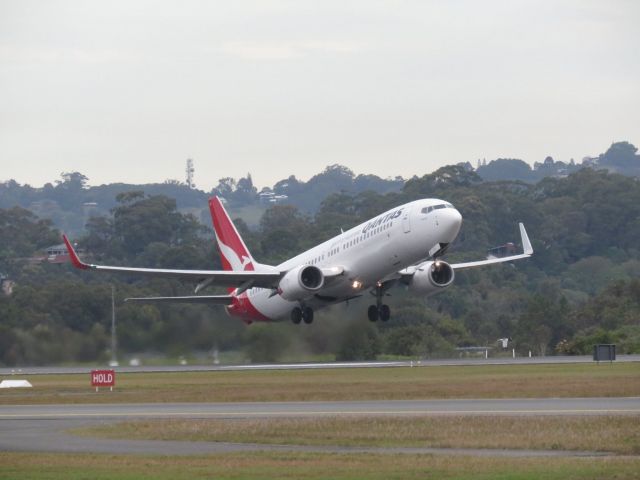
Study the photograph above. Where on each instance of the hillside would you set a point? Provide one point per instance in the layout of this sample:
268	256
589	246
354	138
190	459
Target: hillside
581	286
70	202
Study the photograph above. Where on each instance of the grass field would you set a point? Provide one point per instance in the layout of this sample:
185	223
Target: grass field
619	434
486	381
311	466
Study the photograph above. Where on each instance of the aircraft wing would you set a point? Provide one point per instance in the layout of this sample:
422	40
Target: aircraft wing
208	299
527	252
212	277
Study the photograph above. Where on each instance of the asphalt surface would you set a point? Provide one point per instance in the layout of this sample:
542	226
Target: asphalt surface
51	436
310	366
44	428
519	406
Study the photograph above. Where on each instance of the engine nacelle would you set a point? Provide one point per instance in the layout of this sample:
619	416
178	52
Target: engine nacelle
431	277
301	282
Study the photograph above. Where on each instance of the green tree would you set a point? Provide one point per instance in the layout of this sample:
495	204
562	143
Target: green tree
285	232
620	155
506	169
360	342
23	234
545	321
265	343
139	221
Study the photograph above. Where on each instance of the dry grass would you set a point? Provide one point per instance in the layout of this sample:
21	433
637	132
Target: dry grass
311	466
620	434
486	381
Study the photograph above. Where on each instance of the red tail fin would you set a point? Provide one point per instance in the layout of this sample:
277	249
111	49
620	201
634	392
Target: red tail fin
233	252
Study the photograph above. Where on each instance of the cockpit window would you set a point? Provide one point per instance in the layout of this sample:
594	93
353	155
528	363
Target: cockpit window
436	207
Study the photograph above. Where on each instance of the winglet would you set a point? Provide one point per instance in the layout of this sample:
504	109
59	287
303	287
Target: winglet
526	244
73	255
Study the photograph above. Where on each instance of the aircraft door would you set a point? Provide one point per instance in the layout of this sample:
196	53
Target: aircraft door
406	220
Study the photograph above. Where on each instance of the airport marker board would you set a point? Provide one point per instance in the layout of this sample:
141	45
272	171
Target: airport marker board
103	378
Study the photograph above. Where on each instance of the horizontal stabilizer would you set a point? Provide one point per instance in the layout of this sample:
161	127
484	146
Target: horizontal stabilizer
208	299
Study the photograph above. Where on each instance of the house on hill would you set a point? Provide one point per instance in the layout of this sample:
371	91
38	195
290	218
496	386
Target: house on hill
57	254
6	285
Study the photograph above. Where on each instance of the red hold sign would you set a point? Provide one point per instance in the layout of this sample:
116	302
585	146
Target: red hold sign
103	378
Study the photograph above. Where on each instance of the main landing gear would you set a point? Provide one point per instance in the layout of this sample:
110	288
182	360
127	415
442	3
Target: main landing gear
299	314
383	312
379	310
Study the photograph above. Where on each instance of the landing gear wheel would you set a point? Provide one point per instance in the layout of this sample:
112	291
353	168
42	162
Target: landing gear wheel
296	315
379	311
307	315
372	313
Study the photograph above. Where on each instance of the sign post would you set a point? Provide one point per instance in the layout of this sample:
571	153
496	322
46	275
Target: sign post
103	378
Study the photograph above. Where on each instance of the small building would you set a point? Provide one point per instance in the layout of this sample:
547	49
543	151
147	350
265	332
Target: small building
265	197
502	251
474	351
269	198
6	285
57	254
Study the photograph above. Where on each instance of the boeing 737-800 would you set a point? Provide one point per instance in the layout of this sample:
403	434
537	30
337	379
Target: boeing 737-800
400	247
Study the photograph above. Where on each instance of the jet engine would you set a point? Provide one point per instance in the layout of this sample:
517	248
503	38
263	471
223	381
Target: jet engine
431	277
301	282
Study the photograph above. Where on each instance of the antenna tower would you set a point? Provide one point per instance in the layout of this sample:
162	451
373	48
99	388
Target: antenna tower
190	171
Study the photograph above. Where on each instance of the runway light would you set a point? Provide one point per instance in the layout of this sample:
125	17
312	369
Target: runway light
356	285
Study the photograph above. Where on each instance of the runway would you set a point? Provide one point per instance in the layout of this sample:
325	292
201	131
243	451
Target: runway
44	428
556	359
519	406
52	436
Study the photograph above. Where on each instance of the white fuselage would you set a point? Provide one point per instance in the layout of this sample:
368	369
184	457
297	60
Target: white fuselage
366	254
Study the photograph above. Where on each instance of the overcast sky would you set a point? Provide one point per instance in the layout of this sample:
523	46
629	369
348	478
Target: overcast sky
126	91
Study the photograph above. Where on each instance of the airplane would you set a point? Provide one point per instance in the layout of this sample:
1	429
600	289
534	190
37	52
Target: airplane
402	246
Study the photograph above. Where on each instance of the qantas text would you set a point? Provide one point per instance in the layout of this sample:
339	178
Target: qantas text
379	221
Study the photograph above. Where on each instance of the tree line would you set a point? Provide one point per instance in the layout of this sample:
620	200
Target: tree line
581	287
71	201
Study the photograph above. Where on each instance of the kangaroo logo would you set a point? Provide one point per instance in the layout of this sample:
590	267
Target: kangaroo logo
233	258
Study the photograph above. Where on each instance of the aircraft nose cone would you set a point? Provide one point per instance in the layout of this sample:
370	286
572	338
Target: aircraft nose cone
449	221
